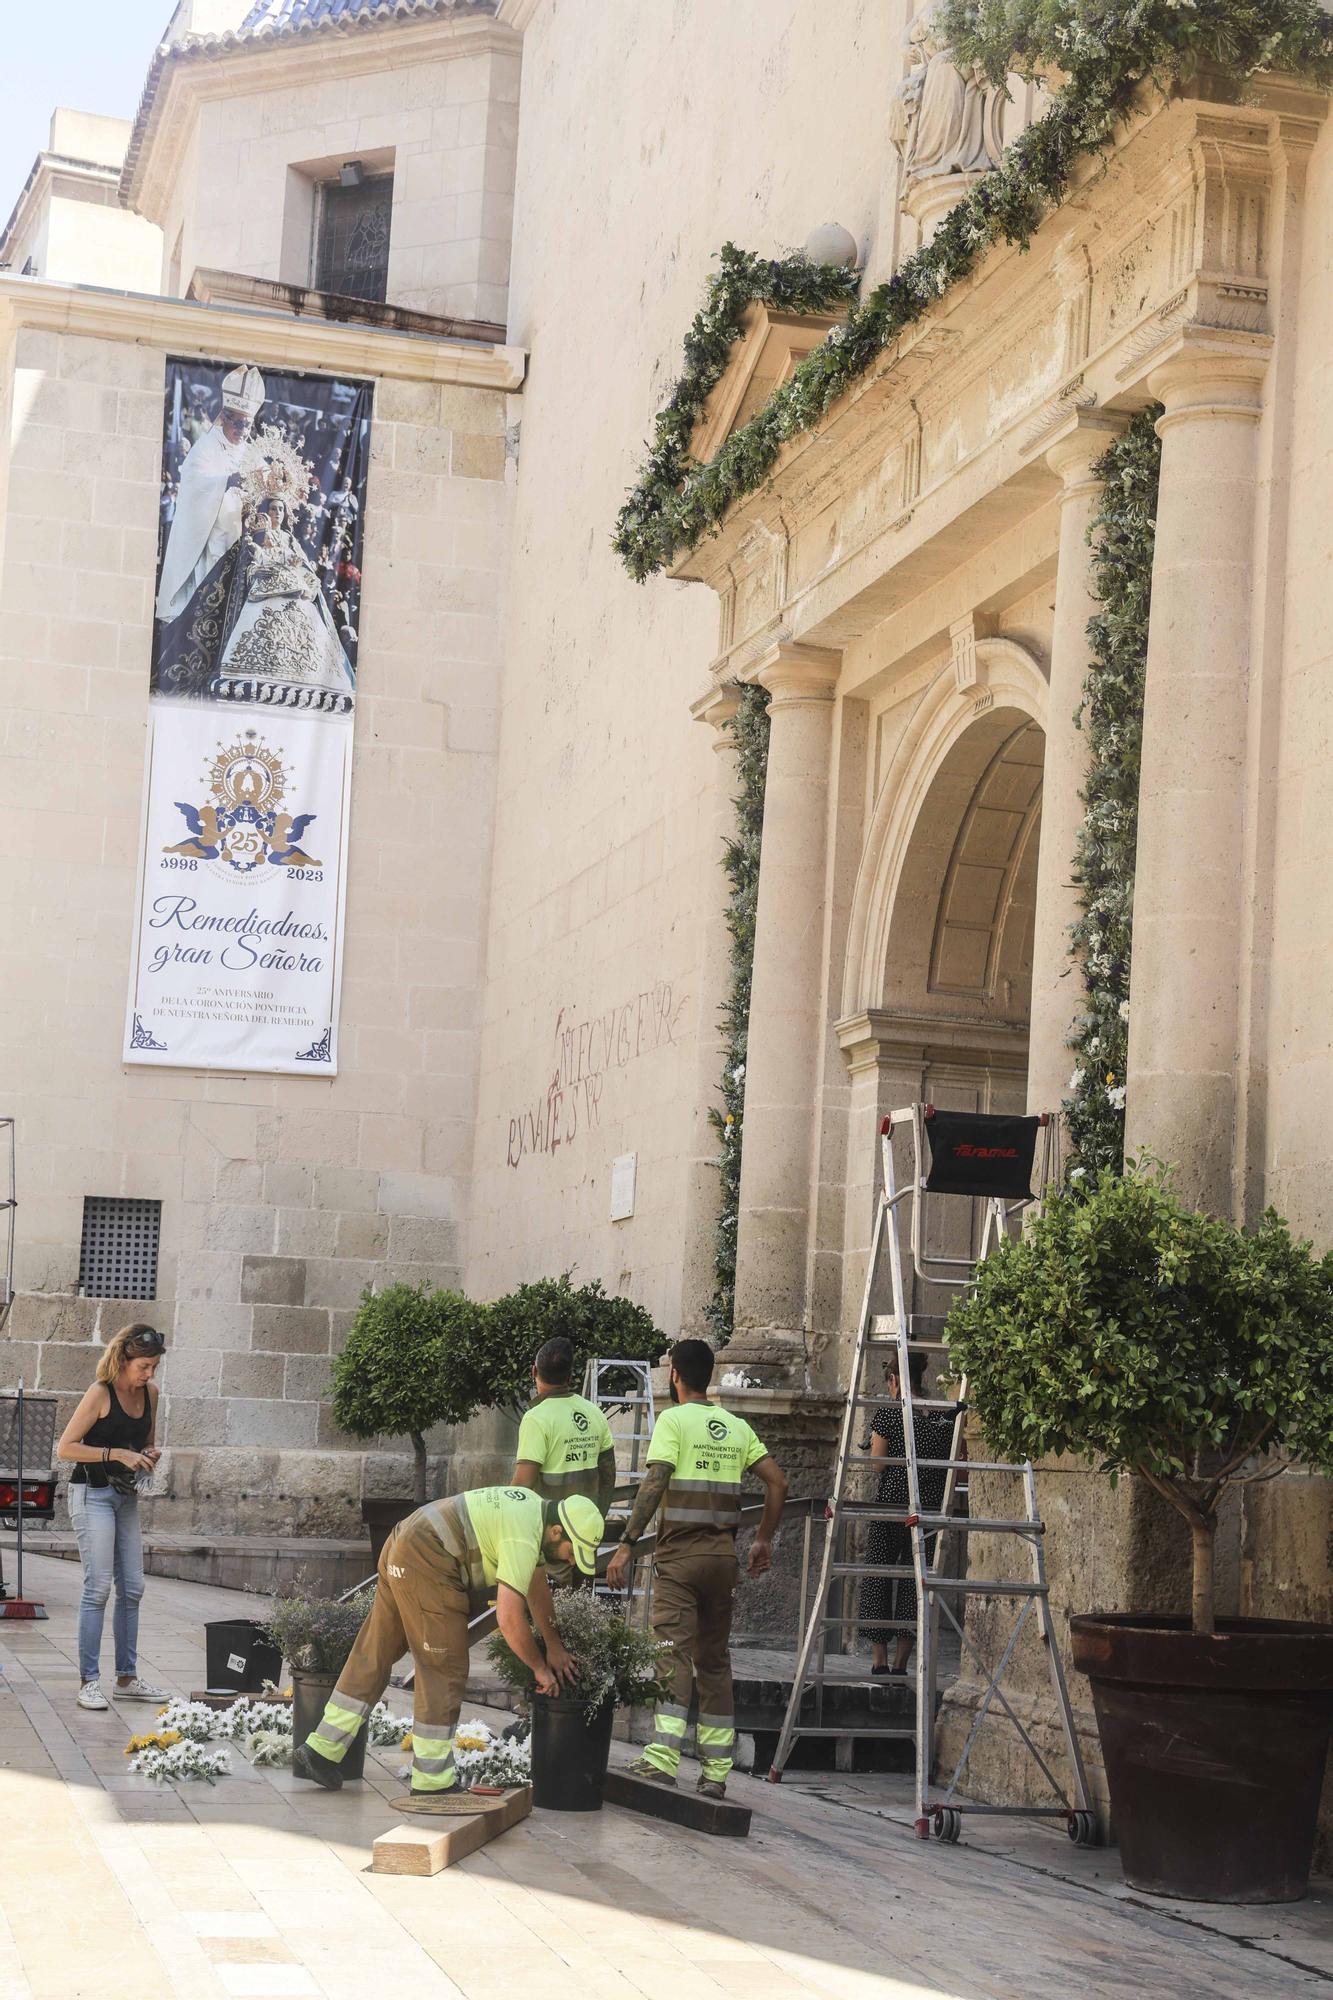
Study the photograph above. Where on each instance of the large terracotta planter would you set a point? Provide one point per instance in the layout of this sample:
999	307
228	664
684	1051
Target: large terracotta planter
1214	1749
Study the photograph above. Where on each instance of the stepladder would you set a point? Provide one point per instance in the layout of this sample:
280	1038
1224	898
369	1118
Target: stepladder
623	1391
904	1553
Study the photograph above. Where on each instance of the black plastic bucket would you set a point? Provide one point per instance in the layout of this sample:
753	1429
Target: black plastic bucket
309	1694
570	1753
240	1656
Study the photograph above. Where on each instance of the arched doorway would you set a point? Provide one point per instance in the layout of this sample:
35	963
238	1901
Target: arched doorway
938	976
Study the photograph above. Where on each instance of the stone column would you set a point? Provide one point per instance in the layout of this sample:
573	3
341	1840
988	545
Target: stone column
1057	989
716	707
786	1017
1184	991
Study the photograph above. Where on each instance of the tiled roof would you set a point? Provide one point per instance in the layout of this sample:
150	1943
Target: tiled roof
275	21
294	14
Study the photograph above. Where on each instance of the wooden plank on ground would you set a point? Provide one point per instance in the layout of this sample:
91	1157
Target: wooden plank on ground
425	1846
641	1795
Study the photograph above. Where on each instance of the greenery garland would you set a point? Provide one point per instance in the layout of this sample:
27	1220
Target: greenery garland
749	732
1121	538
1106	50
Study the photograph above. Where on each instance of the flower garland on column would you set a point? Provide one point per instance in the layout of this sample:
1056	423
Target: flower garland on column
1105	51
1121	539
740	859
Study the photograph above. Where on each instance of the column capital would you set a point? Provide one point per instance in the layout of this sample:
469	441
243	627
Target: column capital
1078	444
796	674
717	705
1211	375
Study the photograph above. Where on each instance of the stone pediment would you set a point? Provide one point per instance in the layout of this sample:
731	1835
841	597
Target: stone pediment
770	349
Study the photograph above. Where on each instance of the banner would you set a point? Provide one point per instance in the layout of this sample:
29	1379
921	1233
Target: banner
252	692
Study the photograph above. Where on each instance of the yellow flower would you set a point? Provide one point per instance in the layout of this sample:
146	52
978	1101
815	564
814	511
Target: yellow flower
1110	1076
468	1739
161	1739
168	1737
406	1743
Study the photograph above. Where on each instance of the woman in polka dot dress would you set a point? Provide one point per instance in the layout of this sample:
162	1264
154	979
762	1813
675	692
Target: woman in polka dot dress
890	1602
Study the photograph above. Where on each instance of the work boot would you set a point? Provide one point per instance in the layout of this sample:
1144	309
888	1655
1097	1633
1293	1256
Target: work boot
641	1768
307	1763
713	1788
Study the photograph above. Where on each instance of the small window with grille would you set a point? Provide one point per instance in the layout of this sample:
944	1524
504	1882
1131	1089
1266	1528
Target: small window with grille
118	1254
352	237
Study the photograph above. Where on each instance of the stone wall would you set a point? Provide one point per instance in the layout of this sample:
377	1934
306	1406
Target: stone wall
282	1197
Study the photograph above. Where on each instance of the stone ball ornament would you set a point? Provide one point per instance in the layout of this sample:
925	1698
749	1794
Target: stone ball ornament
832	244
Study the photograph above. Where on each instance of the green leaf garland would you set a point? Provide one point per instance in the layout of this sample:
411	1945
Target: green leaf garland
1121	538
1106	51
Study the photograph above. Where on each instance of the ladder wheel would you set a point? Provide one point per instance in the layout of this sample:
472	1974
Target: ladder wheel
948	1824
1083	1829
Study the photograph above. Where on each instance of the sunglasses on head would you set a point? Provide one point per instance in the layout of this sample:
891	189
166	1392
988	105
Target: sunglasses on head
148	1342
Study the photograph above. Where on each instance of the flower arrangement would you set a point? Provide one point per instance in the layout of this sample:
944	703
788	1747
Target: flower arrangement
263	1729
169	1758
316	1634
1105	56
616	1661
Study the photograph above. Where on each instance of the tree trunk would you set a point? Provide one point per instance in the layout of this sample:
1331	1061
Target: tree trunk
419	1453
1205	1611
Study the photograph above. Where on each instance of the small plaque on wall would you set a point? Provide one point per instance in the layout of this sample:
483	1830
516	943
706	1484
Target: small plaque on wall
624	1172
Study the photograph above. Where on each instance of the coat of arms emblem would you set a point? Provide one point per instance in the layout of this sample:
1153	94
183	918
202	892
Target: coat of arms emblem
242	823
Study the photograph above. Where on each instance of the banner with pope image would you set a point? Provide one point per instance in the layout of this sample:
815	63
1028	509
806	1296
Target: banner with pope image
237	949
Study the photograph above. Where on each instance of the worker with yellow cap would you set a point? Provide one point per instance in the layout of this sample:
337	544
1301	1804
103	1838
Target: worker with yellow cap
440	1567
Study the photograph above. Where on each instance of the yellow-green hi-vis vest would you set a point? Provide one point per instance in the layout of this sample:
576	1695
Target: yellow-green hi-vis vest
709	1452
564	1437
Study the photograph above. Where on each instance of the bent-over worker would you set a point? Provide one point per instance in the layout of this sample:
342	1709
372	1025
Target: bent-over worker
698	1456
438	1568
564	1442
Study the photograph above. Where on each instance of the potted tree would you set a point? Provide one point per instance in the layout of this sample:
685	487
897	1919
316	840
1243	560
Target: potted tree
497	1371
392	1379
617	1663
315	1636
1127	1329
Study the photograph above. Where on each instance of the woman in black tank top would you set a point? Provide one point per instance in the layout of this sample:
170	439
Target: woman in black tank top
110	1443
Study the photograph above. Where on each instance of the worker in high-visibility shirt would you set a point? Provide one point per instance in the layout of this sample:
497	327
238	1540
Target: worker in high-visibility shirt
564	1442
439	1567
698	1457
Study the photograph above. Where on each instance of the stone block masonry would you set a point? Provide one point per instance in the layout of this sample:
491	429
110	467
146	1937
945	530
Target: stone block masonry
282	1198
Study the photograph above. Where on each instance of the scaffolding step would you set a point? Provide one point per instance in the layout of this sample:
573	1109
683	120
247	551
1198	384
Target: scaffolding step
966	1586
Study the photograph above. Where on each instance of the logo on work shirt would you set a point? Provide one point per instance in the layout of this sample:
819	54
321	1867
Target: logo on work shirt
717	1430
517	1492
580	1421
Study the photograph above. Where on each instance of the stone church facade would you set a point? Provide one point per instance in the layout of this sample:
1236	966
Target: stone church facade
537	943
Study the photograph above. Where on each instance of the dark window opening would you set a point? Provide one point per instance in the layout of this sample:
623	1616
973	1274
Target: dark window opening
352	238
118	1254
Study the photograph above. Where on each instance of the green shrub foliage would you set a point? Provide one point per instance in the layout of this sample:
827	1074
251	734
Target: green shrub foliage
1127	1329
398	1374
493	1363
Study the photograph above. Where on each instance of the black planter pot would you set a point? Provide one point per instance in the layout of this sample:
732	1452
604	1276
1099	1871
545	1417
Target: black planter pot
570	1753
381	1518
309	1694
1214	1750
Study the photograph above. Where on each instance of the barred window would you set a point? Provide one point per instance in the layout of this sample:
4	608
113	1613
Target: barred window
352	238
118	1254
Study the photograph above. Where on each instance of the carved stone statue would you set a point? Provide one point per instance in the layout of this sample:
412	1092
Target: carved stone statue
943	119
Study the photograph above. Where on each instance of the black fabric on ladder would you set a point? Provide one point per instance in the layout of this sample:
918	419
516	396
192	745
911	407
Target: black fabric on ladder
980	1153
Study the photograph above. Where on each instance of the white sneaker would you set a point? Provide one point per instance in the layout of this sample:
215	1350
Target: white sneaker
91	1696
137	1690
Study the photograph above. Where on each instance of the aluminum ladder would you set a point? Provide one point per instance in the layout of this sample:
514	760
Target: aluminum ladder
623	1389
986	1159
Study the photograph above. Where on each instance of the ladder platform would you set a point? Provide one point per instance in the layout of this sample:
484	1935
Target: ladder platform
965	1586
874	1402
866	1510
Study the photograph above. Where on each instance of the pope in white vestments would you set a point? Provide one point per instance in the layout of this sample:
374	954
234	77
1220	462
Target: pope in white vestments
207	519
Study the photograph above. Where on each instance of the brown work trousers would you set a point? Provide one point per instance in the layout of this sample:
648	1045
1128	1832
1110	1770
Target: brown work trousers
421	1605
692	1597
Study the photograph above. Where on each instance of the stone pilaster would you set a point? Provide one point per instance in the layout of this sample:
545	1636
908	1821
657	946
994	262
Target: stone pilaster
786	1026
1056	987
1184	992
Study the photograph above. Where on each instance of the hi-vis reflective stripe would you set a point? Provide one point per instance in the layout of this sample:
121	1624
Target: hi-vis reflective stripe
703	1503
342	1717
432	1762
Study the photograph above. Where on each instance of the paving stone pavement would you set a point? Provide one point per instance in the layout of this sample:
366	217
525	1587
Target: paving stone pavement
260	1887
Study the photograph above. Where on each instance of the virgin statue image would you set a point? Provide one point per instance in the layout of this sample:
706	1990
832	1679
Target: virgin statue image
944	119
281	645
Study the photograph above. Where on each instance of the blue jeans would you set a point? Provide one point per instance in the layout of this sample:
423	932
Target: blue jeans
106	1524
